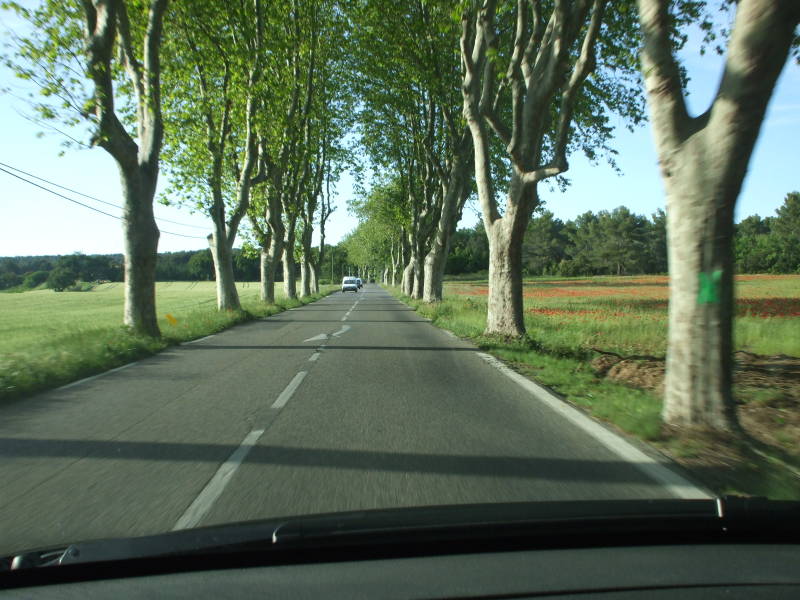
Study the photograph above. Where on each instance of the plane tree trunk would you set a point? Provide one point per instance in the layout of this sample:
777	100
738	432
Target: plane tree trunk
222	257
108	35
542	72
141	251
703	162
289	263
274	253
453	200
505	314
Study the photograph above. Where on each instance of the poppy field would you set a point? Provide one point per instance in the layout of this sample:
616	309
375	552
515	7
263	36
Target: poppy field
628	315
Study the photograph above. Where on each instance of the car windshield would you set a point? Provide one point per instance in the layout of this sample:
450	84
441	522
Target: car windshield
568	271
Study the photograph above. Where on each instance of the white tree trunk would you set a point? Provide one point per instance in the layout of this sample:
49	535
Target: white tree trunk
137	159
305	278
434	274
314	274
222	256
141	253
407	283
505	303
395	267
264	265
504	306
703	162
270	268
452	205
700	340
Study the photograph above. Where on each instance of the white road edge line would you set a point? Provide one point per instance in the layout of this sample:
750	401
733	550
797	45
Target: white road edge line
86	379
286	394
206	498
675	484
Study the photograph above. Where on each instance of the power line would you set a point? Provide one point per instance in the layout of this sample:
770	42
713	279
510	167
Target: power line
63	187
196	237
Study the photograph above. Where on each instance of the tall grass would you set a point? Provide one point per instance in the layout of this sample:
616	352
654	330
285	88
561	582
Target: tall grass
48	339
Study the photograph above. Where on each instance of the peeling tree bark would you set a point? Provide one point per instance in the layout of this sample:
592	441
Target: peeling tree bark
505	308
222	257
703	161
141	252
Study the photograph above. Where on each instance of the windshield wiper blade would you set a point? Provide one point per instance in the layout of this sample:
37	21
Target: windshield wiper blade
542	524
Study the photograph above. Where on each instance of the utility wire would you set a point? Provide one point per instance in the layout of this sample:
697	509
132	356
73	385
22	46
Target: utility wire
196	237
63	187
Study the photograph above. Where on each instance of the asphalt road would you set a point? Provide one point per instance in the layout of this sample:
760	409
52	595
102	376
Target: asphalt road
353	402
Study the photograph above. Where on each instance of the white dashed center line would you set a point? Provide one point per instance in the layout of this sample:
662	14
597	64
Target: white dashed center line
206	498
287	393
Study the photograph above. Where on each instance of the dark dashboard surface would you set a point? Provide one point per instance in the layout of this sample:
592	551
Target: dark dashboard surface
665	571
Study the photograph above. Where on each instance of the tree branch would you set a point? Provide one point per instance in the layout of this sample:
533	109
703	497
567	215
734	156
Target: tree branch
153	132
100	36
473	52
129	62
534	41
583	66
661	72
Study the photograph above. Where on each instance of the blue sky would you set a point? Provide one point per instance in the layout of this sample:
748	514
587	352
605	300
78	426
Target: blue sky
35	222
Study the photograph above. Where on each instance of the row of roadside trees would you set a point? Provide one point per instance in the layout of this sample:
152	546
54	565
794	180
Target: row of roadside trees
491	98
244	104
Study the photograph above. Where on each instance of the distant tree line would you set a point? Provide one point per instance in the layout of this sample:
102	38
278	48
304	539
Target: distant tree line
58	272
772	244
62	272
616	242
619	242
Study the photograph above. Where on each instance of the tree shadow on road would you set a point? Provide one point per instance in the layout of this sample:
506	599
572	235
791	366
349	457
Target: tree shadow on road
497	467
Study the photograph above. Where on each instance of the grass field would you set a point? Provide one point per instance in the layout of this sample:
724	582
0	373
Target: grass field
569	319
49	338
628	315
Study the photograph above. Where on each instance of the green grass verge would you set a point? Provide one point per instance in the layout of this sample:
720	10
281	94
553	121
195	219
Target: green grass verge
747	468
75	348
555	360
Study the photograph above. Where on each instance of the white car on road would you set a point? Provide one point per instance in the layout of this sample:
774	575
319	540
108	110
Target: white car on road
349	284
